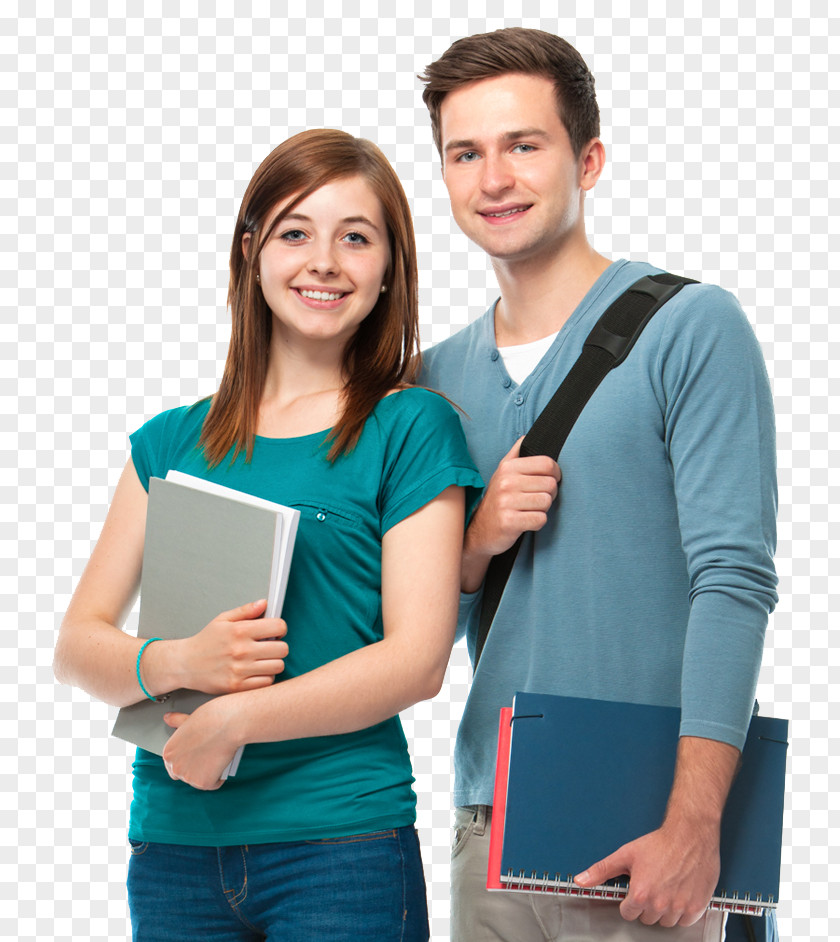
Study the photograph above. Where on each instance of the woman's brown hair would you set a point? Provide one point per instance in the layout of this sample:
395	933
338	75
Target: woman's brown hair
381	355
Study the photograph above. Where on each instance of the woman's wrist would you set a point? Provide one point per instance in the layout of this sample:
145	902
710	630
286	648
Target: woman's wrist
157	668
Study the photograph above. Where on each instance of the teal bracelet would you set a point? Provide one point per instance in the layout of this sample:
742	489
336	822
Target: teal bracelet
139	678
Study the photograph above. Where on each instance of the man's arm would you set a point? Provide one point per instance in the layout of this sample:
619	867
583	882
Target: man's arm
674	870
719	433
517	499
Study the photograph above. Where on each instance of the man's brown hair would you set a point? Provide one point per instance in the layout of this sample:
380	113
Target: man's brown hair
526	52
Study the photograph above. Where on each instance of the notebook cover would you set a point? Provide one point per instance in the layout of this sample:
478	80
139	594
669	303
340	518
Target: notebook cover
497	822
587	776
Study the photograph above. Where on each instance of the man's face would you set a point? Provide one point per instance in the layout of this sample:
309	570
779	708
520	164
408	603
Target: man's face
513	181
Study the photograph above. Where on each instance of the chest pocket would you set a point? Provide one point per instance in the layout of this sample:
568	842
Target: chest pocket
328	514
340	540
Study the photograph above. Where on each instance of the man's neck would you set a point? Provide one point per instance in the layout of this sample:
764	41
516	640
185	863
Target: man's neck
539	295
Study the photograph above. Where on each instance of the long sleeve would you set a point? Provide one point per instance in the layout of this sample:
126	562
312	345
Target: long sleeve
720	437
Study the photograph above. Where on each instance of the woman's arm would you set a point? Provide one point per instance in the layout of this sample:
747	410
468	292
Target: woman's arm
421	560
93	652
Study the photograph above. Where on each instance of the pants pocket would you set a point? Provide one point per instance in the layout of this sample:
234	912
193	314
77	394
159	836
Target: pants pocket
463	830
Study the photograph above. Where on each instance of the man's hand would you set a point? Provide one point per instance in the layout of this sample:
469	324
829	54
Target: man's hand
517	499
674	870
673	873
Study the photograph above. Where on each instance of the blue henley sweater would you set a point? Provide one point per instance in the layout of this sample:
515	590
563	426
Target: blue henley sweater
653	578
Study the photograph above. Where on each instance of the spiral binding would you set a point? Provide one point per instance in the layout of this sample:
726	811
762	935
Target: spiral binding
522	882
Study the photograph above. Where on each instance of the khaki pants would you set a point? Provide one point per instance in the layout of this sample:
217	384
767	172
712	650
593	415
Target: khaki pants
482	916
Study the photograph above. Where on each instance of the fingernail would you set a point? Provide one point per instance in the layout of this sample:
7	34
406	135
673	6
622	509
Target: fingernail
582	877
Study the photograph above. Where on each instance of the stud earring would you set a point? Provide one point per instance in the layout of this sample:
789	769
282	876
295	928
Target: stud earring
383	289
258	277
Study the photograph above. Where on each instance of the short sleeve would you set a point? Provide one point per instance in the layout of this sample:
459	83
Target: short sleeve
157	444
426	452
147	445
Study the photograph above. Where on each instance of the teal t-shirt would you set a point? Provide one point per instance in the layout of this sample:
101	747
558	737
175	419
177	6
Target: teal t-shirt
412	448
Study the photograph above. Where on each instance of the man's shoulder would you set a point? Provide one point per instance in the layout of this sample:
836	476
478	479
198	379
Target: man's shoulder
703	305
456	351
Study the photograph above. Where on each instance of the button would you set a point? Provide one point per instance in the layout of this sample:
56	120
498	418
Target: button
519	399
320	515
507	382
494	355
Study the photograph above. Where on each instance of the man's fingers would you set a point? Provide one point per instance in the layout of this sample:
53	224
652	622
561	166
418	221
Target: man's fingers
615	865
530	484
533	464
690	916
630	909
514	451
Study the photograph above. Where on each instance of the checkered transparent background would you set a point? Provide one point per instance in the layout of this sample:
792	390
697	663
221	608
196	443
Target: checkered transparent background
127	141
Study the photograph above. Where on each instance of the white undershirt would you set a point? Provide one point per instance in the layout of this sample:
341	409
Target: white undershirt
521	359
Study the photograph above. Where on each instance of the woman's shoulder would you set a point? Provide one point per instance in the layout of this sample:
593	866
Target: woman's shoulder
415	420
177	421
416	401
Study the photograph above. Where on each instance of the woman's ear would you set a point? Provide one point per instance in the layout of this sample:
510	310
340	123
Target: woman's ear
246	241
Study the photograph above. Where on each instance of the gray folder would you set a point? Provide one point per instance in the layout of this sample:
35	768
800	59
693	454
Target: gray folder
207	550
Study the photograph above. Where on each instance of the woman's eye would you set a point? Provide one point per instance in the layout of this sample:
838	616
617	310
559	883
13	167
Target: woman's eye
355	238
293	235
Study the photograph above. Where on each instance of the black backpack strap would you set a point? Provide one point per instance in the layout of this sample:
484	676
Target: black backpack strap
607	345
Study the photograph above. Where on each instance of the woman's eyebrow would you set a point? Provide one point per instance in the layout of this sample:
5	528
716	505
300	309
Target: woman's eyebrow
347	220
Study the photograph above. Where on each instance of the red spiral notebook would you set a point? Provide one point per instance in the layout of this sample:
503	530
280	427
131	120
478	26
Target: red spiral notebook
577	778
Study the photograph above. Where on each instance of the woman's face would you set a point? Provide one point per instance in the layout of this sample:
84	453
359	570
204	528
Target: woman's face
322	269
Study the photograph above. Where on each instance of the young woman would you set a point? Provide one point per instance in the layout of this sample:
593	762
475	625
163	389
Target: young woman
313	838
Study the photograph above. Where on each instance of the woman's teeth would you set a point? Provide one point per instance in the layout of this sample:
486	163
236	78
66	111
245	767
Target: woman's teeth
322	295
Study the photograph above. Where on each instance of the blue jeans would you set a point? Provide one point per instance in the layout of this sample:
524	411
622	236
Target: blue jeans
369	886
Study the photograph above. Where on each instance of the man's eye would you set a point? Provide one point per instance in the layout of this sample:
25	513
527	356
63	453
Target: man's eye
523	148
469	157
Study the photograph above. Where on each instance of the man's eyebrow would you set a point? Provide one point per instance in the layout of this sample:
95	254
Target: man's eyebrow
458	145
506	138
525	132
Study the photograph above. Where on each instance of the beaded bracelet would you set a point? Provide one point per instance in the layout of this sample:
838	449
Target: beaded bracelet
140	680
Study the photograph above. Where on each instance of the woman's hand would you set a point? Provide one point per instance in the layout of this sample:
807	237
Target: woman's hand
236	651
203	743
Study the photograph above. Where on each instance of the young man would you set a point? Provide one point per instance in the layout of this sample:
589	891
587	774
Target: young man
645	576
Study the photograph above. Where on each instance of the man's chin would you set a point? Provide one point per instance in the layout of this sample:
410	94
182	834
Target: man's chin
507	250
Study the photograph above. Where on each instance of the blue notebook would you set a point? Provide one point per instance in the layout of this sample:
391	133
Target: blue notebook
586	776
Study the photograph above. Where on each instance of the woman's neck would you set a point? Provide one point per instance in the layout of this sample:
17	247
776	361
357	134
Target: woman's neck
302	392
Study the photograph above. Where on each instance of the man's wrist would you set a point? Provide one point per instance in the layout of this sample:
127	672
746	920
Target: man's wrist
702	779
474	565
690	818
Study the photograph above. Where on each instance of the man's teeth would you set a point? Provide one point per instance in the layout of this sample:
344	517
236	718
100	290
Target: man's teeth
508	212
322	295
